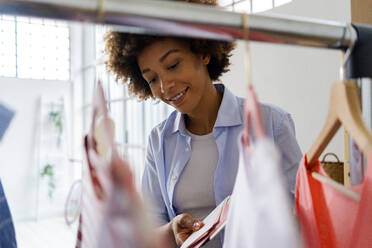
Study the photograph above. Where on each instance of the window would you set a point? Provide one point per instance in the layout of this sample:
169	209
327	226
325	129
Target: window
7	47
34	48
251	6
133	119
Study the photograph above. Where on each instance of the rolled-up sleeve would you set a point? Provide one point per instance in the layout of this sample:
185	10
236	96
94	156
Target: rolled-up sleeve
285	139
151	189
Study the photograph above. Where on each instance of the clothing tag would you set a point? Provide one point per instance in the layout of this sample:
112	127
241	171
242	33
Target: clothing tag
6	116
356	164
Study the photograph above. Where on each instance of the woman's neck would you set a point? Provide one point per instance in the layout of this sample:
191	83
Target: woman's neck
202	120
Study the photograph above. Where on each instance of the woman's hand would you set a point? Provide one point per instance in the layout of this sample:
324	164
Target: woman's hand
183	226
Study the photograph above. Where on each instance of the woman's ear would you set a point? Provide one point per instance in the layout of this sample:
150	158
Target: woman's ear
206	58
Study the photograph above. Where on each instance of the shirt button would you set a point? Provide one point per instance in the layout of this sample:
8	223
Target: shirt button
187	149
174	177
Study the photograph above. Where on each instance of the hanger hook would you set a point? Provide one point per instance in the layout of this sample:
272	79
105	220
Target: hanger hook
245	24
101	11
349	50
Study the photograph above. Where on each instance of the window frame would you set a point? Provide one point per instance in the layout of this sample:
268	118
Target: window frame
93	69
36	21
234	3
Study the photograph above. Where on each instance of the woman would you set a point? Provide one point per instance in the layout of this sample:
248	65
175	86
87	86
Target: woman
192	157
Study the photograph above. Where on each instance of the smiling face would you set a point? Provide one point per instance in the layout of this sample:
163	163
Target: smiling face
175	75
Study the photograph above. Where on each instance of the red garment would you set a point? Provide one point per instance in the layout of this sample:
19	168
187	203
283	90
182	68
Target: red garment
328	218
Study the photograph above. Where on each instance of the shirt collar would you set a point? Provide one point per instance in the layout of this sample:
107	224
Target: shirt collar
229	113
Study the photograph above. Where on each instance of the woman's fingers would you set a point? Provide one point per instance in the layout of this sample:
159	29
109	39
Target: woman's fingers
183	226
197	225
187	221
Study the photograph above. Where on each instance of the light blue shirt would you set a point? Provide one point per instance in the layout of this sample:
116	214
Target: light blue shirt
7	232
169	150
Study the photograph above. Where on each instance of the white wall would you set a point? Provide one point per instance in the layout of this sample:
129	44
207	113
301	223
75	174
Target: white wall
298	79
18	170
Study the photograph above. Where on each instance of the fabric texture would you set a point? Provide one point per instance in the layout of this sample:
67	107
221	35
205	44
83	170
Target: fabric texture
7	232
327	217
197	198
6	115
169	149
112	217
260	213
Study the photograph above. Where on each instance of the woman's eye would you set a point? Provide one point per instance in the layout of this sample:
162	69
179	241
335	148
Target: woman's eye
173	66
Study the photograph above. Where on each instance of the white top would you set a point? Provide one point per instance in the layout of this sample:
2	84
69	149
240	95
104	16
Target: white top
194	192
260	214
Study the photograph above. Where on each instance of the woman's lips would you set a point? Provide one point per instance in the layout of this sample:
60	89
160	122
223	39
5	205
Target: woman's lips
178	99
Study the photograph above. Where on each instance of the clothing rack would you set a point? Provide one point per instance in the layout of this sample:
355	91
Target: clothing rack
176	18
184	19
199	21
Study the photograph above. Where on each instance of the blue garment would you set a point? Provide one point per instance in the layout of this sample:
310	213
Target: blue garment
6	115
169	149
7	233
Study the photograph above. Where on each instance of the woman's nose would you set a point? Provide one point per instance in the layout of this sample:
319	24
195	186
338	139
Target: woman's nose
166	85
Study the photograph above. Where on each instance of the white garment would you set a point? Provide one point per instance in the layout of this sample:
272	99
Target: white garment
115	220
194	192
123	224
260	214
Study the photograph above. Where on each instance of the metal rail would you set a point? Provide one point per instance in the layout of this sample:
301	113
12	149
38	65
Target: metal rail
187	20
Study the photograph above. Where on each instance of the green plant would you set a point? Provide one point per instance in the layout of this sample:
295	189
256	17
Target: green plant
55	117
48	171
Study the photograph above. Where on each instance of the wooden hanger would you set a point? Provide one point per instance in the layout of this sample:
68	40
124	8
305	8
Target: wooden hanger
344	108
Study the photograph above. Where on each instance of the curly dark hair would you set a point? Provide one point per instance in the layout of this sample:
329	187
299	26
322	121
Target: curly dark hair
123	48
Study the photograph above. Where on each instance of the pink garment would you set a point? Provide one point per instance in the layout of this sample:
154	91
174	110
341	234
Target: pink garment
112	213
330	219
